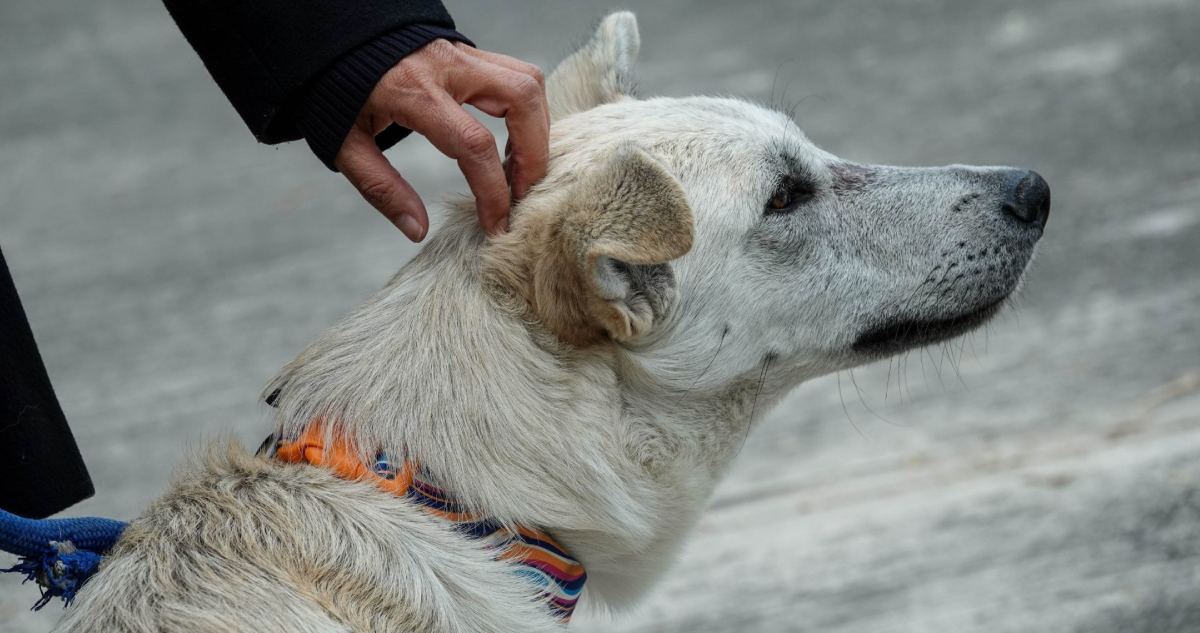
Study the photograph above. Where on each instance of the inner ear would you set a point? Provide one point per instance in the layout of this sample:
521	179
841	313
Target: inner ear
600	72
642	294
613	278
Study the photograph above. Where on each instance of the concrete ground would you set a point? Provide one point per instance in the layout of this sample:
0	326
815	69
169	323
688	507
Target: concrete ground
1040	476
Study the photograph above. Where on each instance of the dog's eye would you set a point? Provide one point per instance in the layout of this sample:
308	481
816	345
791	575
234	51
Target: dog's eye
788	197
780	201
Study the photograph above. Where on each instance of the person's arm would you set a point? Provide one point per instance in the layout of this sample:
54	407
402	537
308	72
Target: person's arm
264	54
329	71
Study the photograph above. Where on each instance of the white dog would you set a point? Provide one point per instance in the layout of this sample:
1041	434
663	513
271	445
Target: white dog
577	386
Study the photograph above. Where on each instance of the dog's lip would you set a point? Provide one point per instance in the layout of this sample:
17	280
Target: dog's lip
897	336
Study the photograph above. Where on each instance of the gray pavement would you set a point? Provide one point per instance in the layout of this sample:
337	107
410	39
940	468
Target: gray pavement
1043	475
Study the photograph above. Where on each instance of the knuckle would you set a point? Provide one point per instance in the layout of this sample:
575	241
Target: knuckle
478	141
538	75
528	89
417	75
404	75
441	47
445	53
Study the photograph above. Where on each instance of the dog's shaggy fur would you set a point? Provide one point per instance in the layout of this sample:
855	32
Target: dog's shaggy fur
591	373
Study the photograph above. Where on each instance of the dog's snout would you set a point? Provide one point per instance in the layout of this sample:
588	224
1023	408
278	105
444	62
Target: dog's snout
1028	198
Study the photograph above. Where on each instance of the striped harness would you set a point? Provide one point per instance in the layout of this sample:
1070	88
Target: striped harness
535	556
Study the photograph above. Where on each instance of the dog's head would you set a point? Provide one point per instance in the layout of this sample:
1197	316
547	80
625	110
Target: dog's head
679	226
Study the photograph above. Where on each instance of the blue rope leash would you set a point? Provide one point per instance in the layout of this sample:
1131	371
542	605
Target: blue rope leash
59	554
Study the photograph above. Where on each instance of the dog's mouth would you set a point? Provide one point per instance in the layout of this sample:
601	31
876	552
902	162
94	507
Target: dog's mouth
900	335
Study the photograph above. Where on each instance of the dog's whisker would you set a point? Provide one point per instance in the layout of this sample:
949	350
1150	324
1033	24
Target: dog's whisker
962	345
775	82
948	354
783	97
941	360
923	374
792	110
908	301
888	384
974	352
762	378
956	359
845	410
864	401
941	382
695	382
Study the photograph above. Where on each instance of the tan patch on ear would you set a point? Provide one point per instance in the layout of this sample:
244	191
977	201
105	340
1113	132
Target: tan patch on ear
629	209
600	72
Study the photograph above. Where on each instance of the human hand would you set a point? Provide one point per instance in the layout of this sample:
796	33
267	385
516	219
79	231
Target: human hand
425	92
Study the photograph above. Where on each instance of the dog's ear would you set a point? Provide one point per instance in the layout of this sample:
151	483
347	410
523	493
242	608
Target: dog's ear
591	259
600	72
616	230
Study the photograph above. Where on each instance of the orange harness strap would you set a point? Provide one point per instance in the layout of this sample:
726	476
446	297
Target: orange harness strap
538	557
310	448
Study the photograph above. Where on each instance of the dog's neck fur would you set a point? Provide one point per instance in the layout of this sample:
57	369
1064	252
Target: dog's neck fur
447	367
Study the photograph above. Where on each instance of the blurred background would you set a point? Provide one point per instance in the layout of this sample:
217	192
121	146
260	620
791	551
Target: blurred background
1039	476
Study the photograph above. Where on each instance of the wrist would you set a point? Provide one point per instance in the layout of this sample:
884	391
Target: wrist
326	109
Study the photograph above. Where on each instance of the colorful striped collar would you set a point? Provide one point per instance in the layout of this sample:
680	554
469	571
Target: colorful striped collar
535	555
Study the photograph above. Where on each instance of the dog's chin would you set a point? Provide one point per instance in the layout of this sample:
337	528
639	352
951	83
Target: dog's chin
902	334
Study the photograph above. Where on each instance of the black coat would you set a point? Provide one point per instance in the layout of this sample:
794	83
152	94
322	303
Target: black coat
291	69
304	69
41	471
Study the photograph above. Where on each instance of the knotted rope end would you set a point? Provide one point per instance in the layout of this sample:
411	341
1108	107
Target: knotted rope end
59	573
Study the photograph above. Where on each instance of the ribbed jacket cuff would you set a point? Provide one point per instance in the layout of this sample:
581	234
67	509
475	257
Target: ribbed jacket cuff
328	107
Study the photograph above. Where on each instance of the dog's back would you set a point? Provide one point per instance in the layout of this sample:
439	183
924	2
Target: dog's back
241	543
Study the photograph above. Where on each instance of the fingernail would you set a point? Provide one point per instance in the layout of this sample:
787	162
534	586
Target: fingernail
502	226
411	228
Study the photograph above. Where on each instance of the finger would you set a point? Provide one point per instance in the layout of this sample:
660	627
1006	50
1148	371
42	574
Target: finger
520	101
461	137
365	166
513	63
519	66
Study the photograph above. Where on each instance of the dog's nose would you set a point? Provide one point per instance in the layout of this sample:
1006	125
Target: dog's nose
1029	199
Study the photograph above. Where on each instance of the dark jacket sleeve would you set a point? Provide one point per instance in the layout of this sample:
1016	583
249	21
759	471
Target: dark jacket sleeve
41	471
303	69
